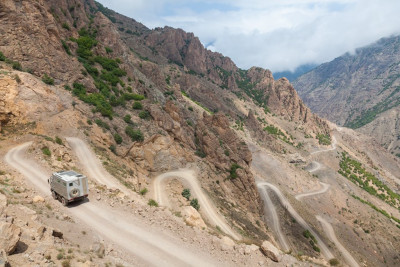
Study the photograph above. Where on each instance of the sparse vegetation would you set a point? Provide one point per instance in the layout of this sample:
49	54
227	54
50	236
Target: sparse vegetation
195	203
128	119
134	134
117	138
102	124
66	26
144	114
152	203
143	191
137	105
232	171
324	139
46	151
2	56
16	65
59	141
334	262
66	47
186	193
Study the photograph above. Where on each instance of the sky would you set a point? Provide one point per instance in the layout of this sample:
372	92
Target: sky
275	34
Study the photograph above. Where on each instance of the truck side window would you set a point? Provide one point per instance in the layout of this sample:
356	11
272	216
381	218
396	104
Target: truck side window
70	184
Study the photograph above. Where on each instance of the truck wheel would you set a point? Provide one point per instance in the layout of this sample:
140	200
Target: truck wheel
64	201
53	194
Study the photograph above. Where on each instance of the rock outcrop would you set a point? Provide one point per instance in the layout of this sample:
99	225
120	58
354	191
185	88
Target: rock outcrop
271	251
9	237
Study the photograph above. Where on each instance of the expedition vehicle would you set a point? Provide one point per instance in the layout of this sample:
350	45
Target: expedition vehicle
68	186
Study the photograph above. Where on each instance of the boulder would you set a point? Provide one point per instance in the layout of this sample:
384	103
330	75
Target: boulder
37	199
192	217
227	243
9	237
271	251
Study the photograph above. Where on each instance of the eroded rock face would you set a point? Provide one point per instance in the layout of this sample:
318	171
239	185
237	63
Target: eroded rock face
29	100
31	35
225	149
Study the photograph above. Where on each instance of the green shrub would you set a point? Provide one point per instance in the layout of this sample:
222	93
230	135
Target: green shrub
186	193
66	263
144	114
60	256
199	152
47	79
143	191
108	50
66	26
152	203
195	203
232	171
102	124
137	105
46	151
66	47
113	149
190	108
59	140
117	138
128	118
135	135
2	56
136	97
16	65
334	262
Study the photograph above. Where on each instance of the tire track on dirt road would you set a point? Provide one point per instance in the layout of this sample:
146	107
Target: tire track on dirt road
206	205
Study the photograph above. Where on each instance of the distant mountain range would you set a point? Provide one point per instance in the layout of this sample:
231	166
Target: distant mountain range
354	90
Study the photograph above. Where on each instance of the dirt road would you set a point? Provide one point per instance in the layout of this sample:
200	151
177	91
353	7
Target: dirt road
331	235
92	165
323	189
324	249
269	208
206	207
132	236
316	167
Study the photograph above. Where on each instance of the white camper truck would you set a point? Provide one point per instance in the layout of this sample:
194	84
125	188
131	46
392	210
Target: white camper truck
68	186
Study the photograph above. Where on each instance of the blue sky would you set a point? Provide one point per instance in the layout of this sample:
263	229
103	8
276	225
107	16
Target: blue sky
274	34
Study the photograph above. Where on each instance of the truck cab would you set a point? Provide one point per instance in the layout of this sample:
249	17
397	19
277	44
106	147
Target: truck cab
68	186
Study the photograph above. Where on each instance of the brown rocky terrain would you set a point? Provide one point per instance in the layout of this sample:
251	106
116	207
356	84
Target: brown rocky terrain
148	102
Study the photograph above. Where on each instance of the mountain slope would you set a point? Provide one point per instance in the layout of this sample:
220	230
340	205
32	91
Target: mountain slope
353	89
360	90
151	102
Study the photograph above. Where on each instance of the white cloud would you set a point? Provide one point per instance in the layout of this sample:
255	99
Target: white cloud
273	34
